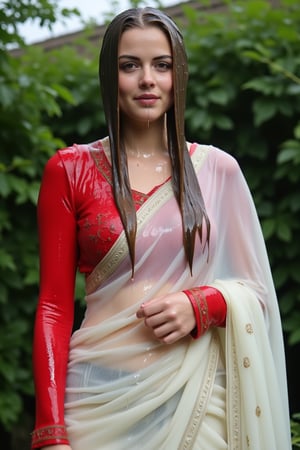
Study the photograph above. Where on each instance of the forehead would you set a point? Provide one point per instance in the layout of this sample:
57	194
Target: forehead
134	40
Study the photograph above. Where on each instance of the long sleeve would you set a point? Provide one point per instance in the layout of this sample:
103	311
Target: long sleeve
55	310
209	308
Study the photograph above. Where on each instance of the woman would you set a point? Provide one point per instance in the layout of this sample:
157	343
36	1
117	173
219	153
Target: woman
181	344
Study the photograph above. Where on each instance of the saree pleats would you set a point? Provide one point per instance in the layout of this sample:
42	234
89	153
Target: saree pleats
116	409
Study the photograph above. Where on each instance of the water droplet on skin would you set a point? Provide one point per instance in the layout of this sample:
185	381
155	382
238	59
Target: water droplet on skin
136	377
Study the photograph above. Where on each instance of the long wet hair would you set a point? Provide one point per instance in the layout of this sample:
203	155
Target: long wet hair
184	181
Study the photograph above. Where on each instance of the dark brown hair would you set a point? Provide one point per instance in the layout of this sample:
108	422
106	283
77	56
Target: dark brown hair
184	181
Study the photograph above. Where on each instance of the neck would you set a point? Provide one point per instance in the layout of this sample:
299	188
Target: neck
145	142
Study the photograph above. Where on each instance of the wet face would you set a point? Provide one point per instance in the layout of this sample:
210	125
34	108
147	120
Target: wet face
145	74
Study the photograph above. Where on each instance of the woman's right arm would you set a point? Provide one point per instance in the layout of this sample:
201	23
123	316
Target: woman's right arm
55	309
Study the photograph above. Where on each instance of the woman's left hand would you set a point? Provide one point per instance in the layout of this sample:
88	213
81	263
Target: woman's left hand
170	317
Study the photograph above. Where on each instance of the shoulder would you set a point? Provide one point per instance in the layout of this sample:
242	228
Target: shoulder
218	159
224	161
75	152
73	157
67	154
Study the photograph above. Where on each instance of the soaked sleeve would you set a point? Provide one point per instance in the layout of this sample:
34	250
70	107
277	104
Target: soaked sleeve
55	309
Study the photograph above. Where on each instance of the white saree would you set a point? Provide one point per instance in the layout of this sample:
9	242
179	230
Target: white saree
226	390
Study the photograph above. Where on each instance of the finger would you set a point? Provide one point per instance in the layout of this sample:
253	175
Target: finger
140	312
170	338
150	308
155	306
155	320
161	331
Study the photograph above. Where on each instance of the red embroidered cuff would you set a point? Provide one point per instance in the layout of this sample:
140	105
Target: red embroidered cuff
199	304
209	308
54	434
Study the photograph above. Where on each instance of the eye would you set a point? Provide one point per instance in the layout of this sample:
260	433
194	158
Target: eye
163	66
128	66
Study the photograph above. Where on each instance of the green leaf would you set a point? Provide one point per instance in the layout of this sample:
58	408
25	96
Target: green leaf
268	227
297	130
4	185
6	260
290	152
264	85
284	232
7	96
64	93
264	109
224	123
218	96
294	337
10	407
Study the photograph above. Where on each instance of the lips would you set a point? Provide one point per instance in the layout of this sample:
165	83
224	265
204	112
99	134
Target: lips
147	99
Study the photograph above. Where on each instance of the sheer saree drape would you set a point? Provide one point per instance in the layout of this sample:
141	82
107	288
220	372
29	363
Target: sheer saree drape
126	390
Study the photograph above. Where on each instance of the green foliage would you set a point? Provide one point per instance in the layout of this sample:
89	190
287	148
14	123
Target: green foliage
295	429
243	96
13	13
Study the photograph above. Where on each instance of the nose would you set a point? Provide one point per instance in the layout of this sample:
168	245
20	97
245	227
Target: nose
146	78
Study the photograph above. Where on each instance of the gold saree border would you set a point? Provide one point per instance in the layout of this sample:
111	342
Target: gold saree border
233	399
119	250
201	403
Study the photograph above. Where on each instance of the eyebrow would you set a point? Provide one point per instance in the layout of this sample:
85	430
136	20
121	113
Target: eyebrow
137	59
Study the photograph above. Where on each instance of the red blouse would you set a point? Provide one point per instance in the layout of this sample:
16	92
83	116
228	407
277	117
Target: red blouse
83	178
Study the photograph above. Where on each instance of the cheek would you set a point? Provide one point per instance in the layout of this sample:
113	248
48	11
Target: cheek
167	85
124	89
122	85
126	83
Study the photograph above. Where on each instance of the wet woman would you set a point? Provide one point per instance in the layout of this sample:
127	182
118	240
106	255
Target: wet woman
181	343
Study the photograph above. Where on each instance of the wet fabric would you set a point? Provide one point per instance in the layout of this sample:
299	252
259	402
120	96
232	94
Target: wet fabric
126	390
